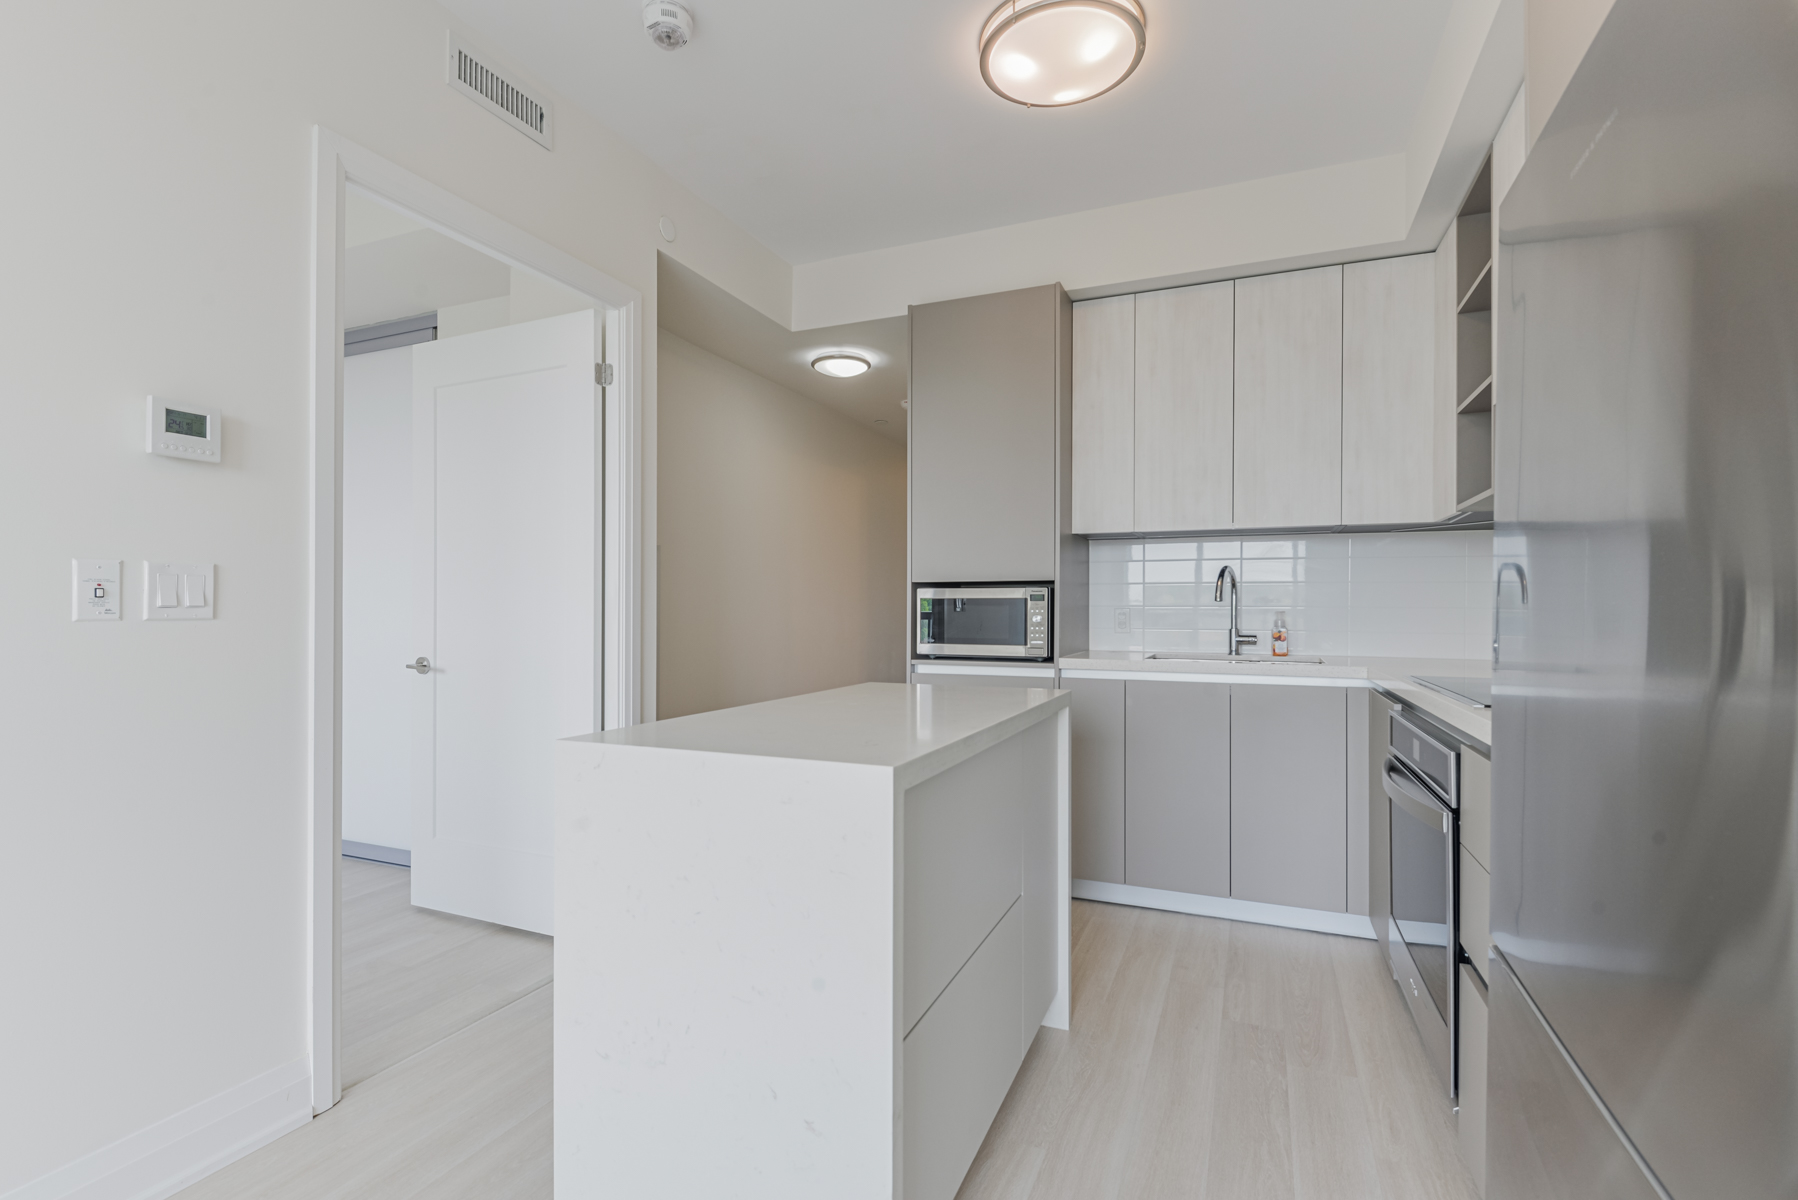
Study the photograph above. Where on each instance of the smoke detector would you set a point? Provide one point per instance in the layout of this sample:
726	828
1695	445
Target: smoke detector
668	22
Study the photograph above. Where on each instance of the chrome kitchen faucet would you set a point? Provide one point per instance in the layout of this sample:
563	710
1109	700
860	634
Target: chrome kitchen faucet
1238	639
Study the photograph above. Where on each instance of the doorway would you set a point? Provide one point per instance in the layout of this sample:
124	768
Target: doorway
477	501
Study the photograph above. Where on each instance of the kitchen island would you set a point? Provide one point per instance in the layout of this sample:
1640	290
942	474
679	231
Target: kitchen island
802	946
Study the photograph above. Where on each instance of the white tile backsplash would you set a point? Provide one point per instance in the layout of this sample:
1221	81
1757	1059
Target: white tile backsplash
1422	595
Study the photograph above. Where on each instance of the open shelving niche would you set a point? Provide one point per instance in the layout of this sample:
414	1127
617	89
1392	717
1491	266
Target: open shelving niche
1472	240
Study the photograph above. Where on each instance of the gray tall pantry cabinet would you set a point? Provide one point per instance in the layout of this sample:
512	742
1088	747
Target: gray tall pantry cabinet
991	448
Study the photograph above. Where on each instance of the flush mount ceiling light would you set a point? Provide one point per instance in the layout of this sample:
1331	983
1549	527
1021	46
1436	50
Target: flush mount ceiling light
1052	53
842	366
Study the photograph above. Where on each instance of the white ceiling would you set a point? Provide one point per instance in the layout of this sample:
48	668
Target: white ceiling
826	128
692	307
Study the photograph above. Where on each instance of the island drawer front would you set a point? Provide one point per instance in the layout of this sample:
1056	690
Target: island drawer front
1476	807
959	1063
964	846
1476	911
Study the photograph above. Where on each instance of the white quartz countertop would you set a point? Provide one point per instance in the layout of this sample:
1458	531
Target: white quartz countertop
1391	675
917	728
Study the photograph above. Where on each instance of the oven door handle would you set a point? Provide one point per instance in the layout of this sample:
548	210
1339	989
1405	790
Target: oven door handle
1411	796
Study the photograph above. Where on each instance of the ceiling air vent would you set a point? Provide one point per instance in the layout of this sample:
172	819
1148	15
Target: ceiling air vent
522	109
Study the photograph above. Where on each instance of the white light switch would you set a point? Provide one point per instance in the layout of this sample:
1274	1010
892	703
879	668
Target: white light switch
97	592
178	591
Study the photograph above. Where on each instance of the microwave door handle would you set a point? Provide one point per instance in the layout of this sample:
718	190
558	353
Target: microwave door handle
1411	797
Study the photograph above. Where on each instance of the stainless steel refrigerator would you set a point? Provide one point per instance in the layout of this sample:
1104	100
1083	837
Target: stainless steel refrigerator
1644	1002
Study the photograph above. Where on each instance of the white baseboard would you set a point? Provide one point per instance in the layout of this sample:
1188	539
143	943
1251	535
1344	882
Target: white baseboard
1314	919
161	1159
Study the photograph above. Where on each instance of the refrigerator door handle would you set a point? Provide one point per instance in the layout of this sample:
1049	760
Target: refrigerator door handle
1498	583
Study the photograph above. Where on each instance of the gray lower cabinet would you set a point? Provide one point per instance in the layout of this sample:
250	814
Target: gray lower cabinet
1214	789
1096	723
1177	775
1289	795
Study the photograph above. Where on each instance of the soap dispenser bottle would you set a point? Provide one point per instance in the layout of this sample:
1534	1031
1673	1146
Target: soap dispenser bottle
1280	645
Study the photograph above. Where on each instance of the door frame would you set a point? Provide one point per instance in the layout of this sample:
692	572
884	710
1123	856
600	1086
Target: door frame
626	657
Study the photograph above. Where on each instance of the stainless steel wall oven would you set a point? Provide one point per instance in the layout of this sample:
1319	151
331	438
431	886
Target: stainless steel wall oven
983	621
1423	778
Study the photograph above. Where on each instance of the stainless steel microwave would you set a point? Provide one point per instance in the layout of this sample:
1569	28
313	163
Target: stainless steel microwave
982	621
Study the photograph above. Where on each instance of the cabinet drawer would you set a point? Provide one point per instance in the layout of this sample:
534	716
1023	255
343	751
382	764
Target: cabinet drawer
1472	1099
963	864
1476	807
959	1063
1476	910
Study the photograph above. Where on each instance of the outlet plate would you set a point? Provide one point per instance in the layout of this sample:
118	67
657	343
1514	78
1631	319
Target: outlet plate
99	595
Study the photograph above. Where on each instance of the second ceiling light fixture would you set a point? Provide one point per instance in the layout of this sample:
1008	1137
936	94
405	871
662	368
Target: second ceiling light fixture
1052	53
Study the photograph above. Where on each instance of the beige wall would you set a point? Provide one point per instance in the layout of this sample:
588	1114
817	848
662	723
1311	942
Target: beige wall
1559	33
782	527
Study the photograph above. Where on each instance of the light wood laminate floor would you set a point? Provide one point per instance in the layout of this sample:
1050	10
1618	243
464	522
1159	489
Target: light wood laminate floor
412	977
1215	1060
446	1064
1207	1060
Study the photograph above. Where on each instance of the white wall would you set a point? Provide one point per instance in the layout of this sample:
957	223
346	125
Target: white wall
377	590
1279	223
783	540
153	870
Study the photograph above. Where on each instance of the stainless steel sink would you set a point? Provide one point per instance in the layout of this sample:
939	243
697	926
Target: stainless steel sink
1257	659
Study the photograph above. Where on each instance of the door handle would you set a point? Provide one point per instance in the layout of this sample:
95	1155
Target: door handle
1413	799
422	666
1498	583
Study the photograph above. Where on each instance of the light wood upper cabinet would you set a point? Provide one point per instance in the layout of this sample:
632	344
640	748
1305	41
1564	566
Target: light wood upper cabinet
1104	415
1288	406
1303	399
1389	414
1184	407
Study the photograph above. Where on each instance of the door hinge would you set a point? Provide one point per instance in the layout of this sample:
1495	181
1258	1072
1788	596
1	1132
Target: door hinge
602	374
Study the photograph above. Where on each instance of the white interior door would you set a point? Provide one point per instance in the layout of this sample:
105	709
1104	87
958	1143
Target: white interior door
505	463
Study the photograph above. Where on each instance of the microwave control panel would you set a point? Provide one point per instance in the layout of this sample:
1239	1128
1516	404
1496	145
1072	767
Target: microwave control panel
1037	617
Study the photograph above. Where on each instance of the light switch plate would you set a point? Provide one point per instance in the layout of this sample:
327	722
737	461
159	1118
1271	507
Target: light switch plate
98	595
178	591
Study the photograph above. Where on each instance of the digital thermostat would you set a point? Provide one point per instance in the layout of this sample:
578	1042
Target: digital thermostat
184	432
